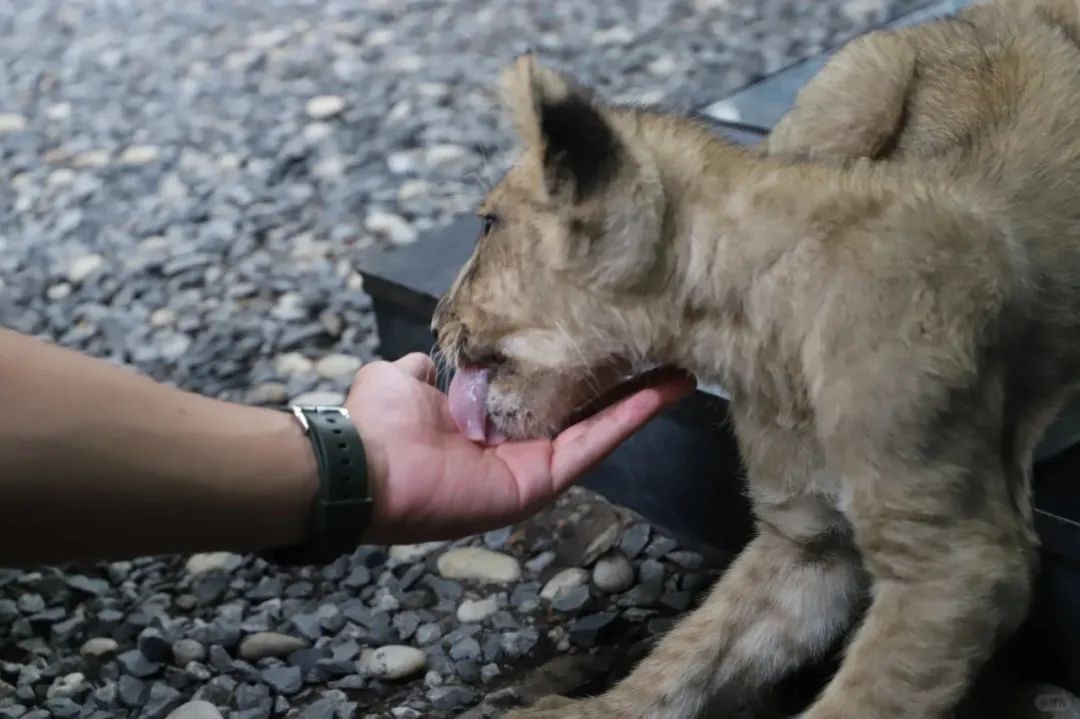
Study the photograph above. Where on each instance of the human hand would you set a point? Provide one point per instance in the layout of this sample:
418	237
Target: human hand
430	482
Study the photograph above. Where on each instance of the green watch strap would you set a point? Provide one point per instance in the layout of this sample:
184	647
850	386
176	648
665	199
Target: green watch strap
343	508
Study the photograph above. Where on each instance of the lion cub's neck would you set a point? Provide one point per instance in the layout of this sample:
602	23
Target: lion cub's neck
751	237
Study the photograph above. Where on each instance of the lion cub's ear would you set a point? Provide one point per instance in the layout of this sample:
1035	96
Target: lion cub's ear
559	119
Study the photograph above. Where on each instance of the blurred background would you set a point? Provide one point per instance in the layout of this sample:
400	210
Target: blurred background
188	188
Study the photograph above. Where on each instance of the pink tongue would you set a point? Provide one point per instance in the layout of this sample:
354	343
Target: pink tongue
468	402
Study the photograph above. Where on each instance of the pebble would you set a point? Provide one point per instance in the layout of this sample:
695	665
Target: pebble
132	692
634	539
269	644
467	649
428	633
134	663
449	698
161	700
338	367
479	565
540	562
395	229
686	559
199	564
268	393
197	709
283	680
67	686
90	159
292	363
153	646
572	577
11	122
409	553
571	599
322	398
138	155
323	107
516	644
99	647
81	268
613	573
477	610
393	662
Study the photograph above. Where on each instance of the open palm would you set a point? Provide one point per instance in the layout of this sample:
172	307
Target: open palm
430	482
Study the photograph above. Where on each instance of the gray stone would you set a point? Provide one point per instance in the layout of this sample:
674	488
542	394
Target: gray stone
284	680
516	644
323	107
68	686
565	579
269	643
209	589
489	673
497	538
197	709
251	695
540	562
185	651
99	647
586	629
392	228
406	623
134	663
428	633
449	698
408	553
62	708
686	559
660	546
571	599
131	692
358	577
219	658
393	662
161	700
465	649
88	585
338	367
477	610
153	645
613	573
30	603
307	625
208	562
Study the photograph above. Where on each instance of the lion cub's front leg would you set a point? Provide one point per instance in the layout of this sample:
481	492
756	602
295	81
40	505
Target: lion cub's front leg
787	597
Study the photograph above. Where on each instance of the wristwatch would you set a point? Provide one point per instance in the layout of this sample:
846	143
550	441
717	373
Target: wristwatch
342	510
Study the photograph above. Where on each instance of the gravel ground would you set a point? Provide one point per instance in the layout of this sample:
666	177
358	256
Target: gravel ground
186	188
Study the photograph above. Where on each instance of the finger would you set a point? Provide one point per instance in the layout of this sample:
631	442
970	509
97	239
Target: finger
418	365
582	446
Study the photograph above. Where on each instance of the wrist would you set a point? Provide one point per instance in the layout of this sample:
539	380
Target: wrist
341	510
382	519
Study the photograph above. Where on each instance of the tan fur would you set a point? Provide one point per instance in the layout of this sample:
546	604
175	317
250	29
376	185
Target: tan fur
890	293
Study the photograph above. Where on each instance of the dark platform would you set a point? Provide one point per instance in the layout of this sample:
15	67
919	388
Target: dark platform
682	471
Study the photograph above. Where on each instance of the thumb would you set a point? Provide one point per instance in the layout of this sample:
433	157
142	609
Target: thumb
418	365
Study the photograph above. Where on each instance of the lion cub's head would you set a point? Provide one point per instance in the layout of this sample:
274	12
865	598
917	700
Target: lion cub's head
553	306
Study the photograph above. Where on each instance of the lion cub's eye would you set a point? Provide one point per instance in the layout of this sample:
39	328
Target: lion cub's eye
489	223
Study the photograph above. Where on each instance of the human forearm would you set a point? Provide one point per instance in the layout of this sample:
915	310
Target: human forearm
98	462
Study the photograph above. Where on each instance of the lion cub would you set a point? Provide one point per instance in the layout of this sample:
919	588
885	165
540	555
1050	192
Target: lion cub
895	336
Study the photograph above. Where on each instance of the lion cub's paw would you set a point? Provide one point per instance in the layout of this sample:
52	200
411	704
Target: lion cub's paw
556	707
